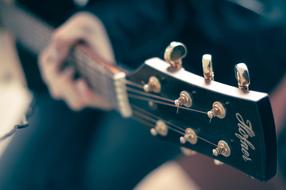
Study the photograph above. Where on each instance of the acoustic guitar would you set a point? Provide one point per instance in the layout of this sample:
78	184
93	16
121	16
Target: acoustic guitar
233	125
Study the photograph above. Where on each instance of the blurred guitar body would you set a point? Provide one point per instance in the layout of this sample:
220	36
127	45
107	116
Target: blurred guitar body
14	97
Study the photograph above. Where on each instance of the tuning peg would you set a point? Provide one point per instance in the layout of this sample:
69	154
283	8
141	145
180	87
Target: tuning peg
208	67
174	54
217	110
184	99
242	76
189	136
222	149
153	85
187	151
160	128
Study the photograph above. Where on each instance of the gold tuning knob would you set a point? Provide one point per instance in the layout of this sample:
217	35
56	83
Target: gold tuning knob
184	99
208	67
217	110
174	54
222	149
160	128
153	85
242	76
189	136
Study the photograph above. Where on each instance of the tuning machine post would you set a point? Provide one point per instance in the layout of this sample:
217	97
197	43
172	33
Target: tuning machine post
222	149
189	136
218	110
242	76
207	67
153	85
160	128
184	99
174	54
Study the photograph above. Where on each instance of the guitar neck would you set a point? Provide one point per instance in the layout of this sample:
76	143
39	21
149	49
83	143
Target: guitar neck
104	78
29	30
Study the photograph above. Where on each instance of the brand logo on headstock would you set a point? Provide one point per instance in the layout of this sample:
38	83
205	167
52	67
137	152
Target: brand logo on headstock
244	133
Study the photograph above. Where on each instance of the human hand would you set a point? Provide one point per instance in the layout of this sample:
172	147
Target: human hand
76	93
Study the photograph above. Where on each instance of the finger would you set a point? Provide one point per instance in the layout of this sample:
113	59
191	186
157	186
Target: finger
94	34
48	63
49	70
58	85
89	98
64	39
69	90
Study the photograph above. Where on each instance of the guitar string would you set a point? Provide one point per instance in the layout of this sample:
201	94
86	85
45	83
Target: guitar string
45	35
128	82
70	59
158	118
145	120
81	62
168	101
138	114
164	103
154	117
134	84
150	95
170	125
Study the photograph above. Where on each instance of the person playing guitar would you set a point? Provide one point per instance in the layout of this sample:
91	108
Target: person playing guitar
61	149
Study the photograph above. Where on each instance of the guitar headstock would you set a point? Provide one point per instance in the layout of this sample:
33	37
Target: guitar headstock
232	125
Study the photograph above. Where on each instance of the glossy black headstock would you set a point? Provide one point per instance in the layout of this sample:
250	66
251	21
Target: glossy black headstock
230	124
